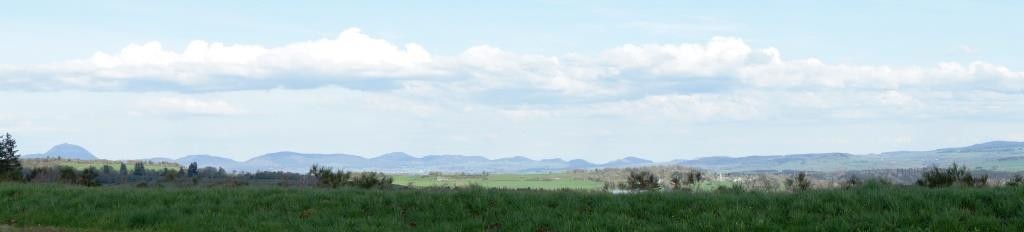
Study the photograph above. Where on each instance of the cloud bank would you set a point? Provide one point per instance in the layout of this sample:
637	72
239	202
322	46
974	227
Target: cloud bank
379	94
357	60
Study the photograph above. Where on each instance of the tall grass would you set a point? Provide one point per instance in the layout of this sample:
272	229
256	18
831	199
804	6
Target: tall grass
874	208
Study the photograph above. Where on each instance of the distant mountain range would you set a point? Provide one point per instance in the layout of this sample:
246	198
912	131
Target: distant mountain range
996	155
64	151
400	162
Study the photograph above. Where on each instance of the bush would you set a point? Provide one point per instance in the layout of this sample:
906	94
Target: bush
64	174
677	180
954	175
1017	180
800	182
326	177
89	177
694	177
642	180
762	183
372	180
852	181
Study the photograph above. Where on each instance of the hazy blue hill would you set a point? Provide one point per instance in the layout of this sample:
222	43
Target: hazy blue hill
627	161
64	151
300	162
515	159
994	146
579	163
395	157
436	159
554	160
996	155
162	159
209	161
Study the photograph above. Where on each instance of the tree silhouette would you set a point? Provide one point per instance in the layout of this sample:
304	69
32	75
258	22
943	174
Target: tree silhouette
10	166
140	169
124	169
954	175
642	180
193	169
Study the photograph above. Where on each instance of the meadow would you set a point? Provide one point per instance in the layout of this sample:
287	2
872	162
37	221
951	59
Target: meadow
98	164
548	181
513	181
869	208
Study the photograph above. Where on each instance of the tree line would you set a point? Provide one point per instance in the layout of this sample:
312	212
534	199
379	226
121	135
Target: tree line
138	174
933	177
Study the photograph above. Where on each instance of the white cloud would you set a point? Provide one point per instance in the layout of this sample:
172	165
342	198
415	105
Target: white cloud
495	68
355	60
202	64
718	56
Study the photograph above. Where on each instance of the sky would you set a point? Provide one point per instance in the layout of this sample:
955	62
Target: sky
596	80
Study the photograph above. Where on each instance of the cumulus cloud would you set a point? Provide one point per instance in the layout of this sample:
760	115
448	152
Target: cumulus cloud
719	56
203	65
495	68
356	60
352	52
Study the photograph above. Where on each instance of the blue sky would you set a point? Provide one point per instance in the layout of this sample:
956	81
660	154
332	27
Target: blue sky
573	79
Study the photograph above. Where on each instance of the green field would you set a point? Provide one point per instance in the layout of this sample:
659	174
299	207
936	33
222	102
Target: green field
549	181
512	181
878	208
84	164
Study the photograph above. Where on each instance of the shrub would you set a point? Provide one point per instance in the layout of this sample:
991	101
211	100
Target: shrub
372	180
762	183
694	177
67	174
89	177
800	182
326	177
64	174
852	181
642	180
954	175
730	189
1017	180
677	180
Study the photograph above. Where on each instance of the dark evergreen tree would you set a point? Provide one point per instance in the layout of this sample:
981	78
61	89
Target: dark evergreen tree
193	169
89	177
68	175
140	169
124	169
10	166
107	169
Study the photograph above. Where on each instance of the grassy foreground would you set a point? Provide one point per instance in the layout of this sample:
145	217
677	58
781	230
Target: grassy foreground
301	209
